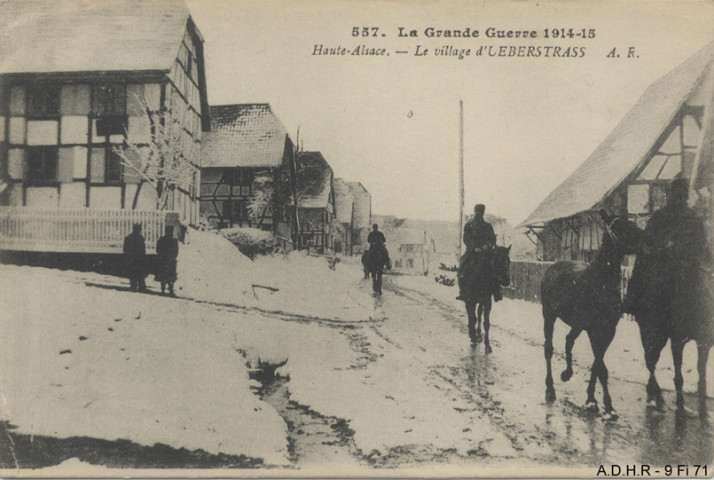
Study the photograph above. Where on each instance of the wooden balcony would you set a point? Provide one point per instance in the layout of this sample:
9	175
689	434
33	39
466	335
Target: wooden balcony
78	230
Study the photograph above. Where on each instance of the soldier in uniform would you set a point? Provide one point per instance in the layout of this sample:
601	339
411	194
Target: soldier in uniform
676	258
134	257
480	240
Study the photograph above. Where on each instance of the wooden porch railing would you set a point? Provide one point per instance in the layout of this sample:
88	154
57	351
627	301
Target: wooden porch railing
78	230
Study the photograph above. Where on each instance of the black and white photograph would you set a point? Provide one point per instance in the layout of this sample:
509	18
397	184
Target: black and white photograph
356	239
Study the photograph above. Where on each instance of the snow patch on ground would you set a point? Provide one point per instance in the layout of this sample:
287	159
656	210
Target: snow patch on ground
113	364
211	268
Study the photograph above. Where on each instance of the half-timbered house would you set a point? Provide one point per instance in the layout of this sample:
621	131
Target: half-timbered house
75	98
316	201
344	216
362	217
668	133
245	166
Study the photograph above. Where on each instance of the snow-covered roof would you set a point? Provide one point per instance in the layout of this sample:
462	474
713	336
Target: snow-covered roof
628	145
406	236
49	36
244	135
314	180
344	201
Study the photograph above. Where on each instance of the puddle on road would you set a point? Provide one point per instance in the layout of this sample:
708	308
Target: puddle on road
313	439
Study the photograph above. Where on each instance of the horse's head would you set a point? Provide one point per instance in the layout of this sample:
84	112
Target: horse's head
502	265
623	235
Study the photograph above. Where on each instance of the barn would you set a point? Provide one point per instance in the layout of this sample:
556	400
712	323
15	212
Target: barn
668	134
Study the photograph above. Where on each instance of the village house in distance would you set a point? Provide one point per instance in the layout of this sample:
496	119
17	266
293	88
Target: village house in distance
83	133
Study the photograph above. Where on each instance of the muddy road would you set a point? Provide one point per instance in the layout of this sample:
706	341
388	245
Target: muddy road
506	390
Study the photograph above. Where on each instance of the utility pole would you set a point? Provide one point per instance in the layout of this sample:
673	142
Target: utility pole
461	173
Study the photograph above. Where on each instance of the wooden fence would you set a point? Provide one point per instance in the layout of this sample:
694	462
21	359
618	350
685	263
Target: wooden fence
78	230
526	278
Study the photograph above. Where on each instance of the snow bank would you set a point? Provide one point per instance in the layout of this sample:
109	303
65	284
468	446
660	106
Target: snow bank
112	364
211	268
307	286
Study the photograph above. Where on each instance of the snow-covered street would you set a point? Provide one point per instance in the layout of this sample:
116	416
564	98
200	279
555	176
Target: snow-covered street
317	375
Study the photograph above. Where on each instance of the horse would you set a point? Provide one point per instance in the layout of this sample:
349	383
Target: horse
375	260
478	286
587	297
679	313
365	264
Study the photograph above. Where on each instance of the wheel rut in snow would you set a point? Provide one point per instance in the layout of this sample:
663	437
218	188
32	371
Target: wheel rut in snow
313	438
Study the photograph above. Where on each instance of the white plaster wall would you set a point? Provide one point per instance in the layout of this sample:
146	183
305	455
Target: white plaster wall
105	198
75	129
73	195
42	132
44	197
17	130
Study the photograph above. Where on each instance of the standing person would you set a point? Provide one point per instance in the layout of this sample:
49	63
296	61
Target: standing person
378	257
134	258
676	255
167	249
480	240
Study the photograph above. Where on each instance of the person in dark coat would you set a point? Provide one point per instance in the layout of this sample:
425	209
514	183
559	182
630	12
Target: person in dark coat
480	240
167	250
134	259
676	256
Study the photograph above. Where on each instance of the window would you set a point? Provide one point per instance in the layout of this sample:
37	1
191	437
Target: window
235	210
44	100
42	164
109	100
410	263
109	105
112	168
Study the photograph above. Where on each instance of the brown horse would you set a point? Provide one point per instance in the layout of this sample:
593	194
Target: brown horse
478	290
587	297
677	305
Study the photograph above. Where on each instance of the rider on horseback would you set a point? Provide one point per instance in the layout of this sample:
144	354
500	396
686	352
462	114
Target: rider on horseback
377	241
676	250
480	240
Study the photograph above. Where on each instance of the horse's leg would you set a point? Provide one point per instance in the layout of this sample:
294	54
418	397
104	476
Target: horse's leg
569	342
548	327
471	313
677	349
487	322
653	341
591	402
478	324
702	357
379	280
603	374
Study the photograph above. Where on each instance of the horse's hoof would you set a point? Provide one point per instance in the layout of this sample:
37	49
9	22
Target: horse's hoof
550	396
685	412
488	349
565	375
656	404
610	416
591	406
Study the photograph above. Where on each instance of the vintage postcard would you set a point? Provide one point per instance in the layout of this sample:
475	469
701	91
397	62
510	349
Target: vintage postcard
356	239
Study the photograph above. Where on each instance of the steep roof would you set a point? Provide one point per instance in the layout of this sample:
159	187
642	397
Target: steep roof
49	36
314	180
406	236
244	135
344	200
628	145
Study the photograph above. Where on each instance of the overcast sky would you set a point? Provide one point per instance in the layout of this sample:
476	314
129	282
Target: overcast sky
391	122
